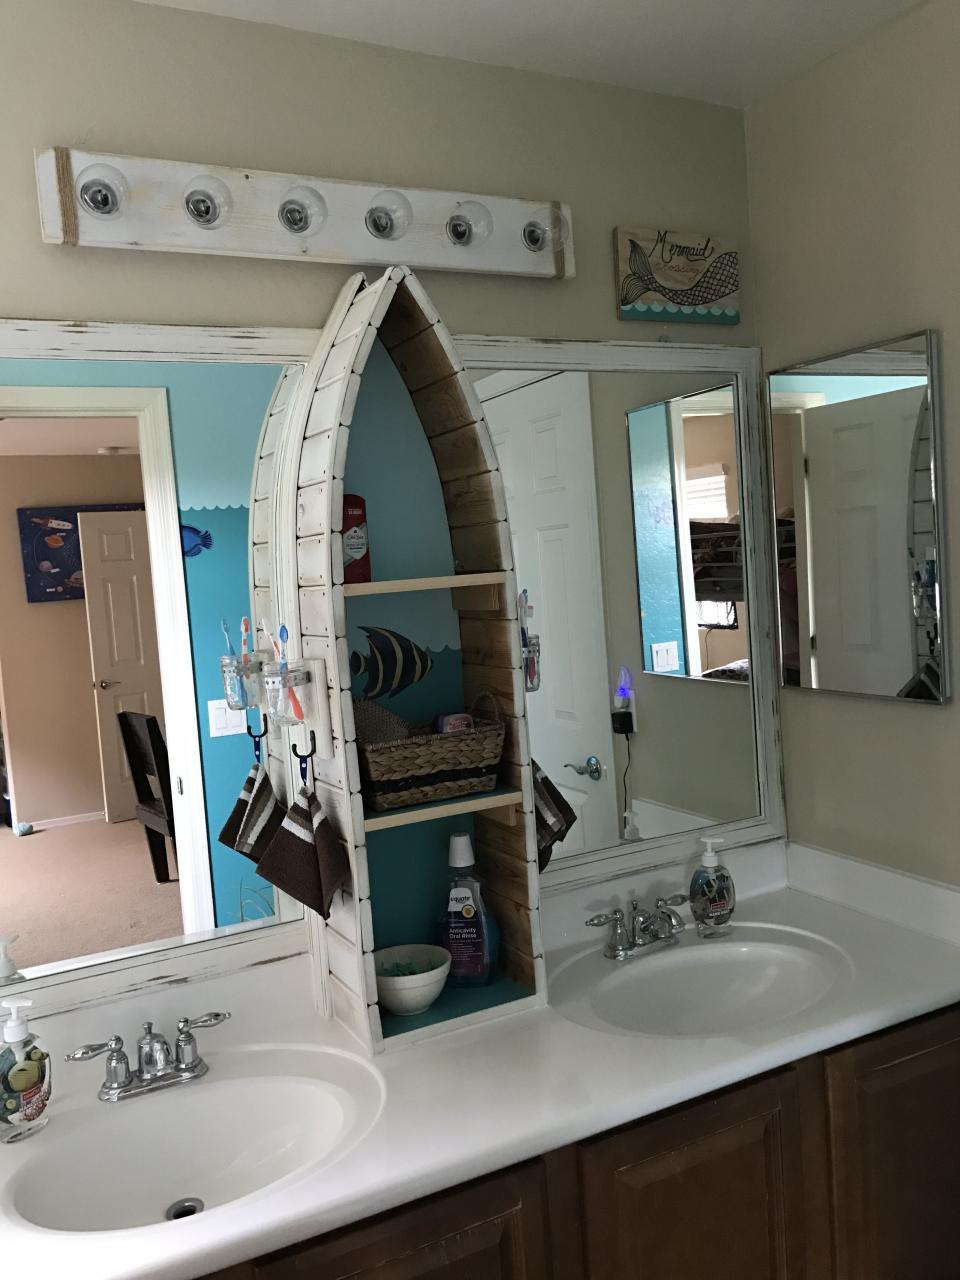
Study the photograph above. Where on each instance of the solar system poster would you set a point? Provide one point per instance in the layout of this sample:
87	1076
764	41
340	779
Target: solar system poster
50	546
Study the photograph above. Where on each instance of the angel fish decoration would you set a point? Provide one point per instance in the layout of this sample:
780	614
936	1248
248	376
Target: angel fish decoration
669	275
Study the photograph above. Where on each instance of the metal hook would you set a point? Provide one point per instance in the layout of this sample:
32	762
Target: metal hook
258	737
306	756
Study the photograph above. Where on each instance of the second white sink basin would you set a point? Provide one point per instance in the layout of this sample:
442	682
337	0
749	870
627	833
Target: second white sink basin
261	1116
757	976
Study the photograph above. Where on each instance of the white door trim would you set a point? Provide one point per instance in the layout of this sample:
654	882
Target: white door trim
149	406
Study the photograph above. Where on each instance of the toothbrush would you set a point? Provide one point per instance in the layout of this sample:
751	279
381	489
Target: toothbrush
295	704
231	652
269	634
245	639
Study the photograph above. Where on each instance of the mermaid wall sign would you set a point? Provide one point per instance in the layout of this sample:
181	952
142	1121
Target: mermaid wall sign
676	275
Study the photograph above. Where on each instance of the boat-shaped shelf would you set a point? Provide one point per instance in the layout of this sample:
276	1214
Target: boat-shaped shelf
384	409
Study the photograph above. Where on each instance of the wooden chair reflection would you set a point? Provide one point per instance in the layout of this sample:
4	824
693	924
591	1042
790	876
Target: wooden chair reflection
147	757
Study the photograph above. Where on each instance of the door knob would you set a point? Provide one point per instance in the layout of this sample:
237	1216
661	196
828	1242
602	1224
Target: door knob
107	684
591	767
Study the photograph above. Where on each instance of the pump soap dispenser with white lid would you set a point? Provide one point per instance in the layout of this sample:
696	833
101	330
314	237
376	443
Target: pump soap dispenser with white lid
24	1076
712	895
8	969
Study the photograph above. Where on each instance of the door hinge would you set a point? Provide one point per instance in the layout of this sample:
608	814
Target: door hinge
806	465
813	644
179	786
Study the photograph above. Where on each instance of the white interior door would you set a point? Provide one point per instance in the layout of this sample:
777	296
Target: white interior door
858	487
544	441
123	639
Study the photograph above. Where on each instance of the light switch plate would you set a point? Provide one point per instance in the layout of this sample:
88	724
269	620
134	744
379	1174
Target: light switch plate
223	721
666	656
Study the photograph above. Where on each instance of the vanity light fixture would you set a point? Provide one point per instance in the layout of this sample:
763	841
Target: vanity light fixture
207	201
471	223
303	211
176	206
102	190
548	230
389	215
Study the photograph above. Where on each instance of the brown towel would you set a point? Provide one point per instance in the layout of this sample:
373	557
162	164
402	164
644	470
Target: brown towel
231	828
305	858
262	819
555	816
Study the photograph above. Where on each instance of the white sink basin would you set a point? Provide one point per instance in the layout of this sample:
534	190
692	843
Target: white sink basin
755	977
261	1116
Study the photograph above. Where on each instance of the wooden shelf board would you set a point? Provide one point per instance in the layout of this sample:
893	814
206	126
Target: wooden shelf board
447	582
455	1003
502	798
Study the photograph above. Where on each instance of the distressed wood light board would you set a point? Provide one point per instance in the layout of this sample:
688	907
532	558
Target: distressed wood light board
151	215
303	466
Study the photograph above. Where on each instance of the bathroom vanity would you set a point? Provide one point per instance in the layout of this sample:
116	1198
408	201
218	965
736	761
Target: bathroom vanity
840	1165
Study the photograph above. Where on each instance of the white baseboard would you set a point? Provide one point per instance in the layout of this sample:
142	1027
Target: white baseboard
925	905
44	824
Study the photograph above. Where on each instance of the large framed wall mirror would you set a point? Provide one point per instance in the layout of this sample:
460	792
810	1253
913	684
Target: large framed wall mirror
125	488
856	487
632	501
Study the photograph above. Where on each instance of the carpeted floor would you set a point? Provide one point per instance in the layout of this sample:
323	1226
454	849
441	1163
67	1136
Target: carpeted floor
70	891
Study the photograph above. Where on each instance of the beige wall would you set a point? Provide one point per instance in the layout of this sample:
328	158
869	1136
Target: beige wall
694	746
49	723
855	186
151	81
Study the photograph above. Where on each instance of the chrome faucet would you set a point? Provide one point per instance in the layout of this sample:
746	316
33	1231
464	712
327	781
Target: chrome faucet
158	1066
657	928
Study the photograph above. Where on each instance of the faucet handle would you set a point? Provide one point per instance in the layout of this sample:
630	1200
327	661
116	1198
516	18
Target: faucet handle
618	947
117	1073
675	900
88	1051
606	917
205	1020
665	907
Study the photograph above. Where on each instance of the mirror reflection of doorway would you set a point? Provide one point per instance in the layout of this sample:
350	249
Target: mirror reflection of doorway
69	661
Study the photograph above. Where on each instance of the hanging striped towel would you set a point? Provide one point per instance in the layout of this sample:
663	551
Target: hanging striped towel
262	819
231	828
555	816
306	858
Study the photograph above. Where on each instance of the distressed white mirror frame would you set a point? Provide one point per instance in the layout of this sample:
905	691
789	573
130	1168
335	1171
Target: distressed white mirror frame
740	366
235	948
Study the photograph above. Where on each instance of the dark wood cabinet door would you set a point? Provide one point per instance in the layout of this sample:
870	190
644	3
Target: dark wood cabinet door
732	1188
489	1230
895	1136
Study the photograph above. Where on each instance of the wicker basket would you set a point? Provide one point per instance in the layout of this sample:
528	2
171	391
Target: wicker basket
433	766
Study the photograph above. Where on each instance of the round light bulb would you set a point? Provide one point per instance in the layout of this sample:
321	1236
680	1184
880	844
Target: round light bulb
102	190
389	215
303	211
207	201
470	223
548	230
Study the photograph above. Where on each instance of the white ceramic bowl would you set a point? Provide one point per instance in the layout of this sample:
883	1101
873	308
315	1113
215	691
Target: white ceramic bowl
417	992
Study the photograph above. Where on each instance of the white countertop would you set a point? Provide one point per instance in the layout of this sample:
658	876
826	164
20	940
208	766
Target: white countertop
479	1100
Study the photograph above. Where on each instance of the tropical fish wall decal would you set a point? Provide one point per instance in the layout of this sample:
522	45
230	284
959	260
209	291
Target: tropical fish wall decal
193	541
392	662
668	275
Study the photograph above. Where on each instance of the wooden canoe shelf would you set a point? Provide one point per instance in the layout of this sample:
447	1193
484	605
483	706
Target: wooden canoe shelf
502	798
447	582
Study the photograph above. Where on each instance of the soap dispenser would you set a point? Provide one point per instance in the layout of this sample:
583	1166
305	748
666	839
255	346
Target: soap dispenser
8	969
24	1077
712	895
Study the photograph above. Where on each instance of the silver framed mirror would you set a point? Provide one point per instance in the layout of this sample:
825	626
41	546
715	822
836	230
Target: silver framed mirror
857	493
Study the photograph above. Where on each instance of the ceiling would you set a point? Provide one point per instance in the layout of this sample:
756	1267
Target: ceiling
59	437
723	51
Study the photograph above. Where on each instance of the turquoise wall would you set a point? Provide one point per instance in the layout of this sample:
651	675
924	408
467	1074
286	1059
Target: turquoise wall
216	412
836	389
655	532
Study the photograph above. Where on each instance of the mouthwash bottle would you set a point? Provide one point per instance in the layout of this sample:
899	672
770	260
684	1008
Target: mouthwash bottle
469	931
